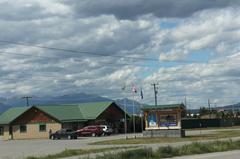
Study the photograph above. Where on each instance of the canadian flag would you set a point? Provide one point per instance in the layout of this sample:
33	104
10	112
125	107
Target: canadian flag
134	89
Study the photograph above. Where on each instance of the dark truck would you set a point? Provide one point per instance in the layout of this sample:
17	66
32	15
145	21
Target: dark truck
64	134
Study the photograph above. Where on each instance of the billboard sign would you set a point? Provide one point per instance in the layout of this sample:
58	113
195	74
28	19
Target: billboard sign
152	120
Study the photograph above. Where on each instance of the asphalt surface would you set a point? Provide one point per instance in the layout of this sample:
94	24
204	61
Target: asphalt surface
218	155
17	149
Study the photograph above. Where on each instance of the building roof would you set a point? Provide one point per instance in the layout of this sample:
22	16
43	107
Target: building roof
11	114
63	113
76	112
162	107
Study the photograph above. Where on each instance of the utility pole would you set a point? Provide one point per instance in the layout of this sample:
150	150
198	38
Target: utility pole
27	99
125	118
155	92
134	128
209	108
233	110
185	102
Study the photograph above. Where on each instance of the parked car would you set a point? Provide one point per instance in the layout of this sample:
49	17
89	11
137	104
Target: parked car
64	133
93	130
107	130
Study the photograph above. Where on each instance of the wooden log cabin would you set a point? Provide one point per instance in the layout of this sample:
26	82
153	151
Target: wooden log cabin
36	121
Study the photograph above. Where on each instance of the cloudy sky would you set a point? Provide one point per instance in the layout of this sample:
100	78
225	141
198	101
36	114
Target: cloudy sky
55	47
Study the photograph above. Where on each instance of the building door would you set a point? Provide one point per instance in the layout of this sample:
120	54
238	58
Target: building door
1	132
10	132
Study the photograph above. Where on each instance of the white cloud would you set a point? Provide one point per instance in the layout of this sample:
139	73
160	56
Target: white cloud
42	72
211	29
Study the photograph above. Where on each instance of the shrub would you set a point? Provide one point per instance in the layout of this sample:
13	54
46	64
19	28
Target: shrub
168	151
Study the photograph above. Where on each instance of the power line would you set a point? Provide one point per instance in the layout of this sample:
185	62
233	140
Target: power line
89	53
112	64
75	51
86	52
105	64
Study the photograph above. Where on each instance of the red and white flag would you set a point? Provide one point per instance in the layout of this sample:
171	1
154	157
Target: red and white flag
134	89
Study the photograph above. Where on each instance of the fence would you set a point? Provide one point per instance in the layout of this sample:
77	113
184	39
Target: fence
205	123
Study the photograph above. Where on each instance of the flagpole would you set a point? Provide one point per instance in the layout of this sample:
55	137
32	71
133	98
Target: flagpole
134	131
142	115
125	111
125	118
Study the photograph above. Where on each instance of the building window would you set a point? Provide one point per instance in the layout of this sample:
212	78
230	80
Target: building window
168	120
23	128
42	128
1	130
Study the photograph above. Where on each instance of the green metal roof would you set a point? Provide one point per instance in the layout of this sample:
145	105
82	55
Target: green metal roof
12	114
93	110
161	107
76	112
63	113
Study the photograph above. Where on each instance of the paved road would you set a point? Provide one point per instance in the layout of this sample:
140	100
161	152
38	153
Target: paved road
218	155
16	149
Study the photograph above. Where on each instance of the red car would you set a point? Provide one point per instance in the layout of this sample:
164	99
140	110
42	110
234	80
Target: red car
94	130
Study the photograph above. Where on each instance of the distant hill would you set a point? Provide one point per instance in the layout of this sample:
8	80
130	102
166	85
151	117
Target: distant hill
129	105
65	99
226	107
6	103
230	107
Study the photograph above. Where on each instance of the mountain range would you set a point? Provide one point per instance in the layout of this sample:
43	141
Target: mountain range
226	107
6	103
231	107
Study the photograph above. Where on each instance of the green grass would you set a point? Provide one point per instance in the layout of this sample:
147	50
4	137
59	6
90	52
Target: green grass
167	152
76	152
217	135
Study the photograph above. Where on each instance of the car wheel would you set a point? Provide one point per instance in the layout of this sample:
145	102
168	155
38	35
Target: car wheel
69	137
93	134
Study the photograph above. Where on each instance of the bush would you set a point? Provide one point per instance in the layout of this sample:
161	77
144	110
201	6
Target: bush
164	152
145	153
148	153
168	151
